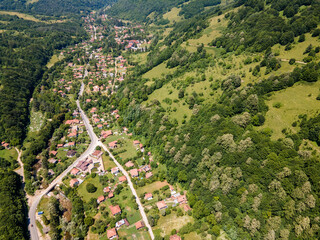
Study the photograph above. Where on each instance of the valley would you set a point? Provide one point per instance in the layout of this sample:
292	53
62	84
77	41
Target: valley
162	120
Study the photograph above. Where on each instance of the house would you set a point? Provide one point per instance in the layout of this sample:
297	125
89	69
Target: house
60	145
106	189
149	175
112	233
129	164
106	134
161	205
120	223
187	208
182	199
134	173
122	179
50	172
52	160
115	210
71	153
100	199
175	237
71	144
139	225
74	182
97	154
100	126
54	153
148	196
136	142
113	145
172	190
115	170
110	195
146	168
75	171
5	145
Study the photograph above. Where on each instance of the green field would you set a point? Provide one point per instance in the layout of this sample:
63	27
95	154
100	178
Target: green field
298	48
158	71
83	191
173	15
172	221
296	100
10	155
151	187
107	162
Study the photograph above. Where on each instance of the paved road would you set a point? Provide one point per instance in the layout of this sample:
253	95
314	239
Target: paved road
36	199
125	173
94	142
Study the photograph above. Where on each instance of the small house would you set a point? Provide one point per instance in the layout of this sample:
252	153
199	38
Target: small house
148	196
74	182
112	233
139	225
161	205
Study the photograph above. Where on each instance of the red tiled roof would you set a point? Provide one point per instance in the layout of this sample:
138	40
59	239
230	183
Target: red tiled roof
161	205
175	237
115	209
139	225
74	171
122	179
112	233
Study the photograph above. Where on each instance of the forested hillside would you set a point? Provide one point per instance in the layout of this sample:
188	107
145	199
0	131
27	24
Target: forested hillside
139	10
241	179
26	47
54	8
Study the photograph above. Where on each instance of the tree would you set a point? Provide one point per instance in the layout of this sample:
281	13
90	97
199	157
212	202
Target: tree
91	188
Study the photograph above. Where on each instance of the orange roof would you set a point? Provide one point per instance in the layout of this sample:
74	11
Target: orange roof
73	182
175	237
139	225
161	205
100	198
122	179
112	233
115	209
148	195
129	164
134	172
149	175
187	208
74	171
182	199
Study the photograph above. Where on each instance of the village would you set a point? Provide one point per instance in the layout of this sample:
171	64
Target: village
97	179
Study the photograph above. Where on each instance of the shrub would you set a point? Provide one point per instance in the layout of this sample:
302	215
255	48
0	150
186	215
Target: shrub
277	105
302	38
292	61
91	188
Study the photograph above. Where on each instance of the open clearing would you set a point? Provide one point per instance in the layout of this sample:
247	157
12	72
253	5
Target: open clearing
9	155
168	223
296	100
173	15
21	15
36	121
151	187
54	59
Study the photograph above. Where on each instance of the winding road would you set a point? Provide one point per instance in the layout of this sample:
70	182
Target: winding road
94	143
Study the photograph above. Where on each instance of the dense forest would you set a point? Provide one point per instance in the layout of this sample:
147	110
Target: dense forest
140	10
54	8
257	27
25	49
